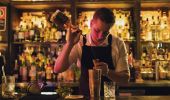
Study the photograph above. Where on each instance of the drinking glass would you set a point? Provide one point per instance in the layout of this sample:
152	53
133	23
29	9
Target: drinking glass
95	82
8	86
109	89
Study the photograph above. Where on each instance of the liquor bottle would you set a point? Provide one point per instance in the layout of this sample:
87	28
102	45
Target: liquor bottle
42	34
49	72
131	67
37	33
21	34
32	72
41	72
16	70
32	33
26	34
48	67
165	32
23	72
165	56
131	27
153	30
148	30
16	34
2	63
126	32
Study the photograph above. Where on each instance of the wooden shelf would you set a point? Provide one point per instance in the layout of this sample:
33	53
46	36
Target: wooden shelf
3	42
37	43
155	41
155	3
3	46
110	4
39	5
129	40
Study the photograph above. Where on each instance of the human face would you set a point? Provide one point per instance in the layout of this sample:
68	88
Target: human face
99	31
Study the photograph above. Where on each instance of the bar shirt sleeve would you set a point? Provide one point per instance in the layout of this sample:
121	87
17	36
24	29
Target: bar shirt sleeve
75	54
119	54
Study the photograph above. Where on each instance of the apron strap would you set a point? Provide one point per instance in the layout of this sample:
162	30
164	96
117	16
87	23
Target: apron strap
110	40
84	40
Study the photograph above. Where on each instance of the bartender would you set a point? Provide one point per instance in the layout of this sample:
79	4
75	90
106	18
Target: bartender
109	50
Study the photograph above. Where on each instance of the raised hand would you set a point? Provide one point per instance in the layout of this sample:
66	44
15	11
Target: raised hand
73	34
101	65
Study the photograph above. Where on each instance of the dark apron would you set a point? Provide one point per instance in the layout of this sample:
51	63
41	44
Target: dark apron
89	53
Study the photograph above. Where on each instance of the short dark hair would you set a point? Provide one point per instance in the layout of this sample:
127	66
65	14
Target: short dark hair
104	14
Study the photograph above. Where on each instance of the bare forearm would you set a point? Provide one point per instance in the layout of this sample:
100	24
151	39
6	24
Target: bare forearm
120	77
62	62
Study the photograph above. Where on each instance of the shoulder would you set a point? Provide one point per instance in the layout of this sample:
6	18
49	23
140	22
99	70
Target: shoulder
116	40
84	37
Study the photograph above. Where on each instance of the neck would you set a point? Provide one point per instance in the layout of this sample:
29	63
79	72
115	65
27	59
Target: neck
95	43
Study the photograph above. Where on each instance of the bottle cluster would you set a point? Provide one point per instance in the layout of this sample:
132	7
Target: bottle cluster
155	25
36	63
123	26
37	27
155	61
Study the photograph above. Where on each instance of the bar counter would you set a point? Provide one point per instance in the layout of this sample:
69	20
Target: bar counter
146	88
55	97
161	87
151	90
146	83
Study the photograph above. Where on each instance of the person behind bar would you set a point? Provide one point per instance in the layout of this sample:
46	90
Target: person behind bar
110	52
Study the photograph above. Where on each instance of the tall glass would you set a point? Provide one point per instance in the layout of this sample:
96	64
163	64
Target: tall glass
8	86
95	82
109	90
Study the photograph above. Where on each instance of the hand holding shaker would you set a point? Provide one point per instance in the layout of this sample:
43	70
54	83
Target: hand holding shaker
59	19
63	23
101	65
95	61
